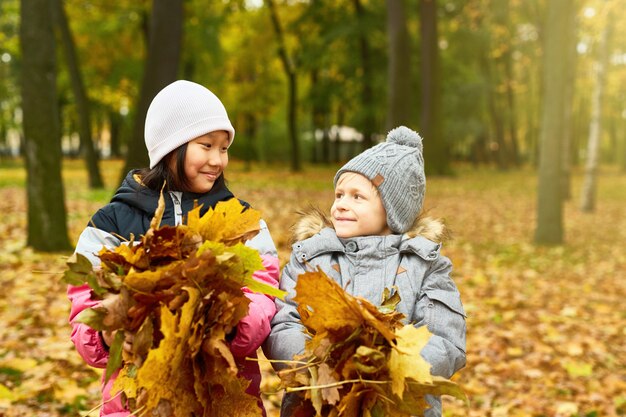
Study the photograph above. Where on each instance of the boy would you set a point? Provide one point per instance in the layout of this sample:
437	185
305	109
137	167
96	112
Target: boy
376	239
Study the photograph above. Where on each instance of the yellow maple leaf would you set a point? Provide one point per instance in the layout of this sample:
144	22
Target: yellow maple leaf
224	395
156	220
330	306
324	306
361	360
178	290
405	360
169	361
134	255
228	222
124	382
146	281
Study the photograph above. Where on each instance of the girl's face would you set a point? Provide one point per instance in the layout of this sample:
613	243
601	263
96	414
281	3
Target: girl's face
358	209
206	159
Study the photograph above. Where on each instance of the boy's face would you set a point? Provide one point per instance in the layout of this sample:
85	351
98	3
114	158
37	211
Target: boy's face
358	209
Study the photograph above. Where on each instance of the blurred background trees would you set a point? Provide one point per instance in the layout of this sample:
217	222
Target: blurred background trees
317	81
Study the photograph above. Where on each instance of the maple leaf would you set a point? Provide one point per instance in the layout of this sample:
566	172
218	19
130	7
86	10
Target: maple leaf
115	355
156	219
229	222
241	262
169	362
361	360
224	396
79	268
405	360
148	280
178	295
330	308
326	376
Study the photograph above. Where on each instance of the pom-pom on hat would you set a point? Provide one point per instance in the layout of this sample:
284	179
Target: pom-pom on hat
179	113
396	168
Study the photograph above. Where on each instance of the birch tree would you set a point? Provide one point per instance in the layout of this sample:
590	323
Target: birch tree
588	195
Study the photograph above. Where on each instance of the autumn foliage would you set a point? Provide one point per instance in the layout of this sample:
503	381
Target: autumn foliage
360	360
178	292
545	325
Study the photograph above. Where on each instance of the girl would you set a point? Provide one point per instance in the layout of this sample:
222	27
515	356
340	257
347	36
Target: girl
187	133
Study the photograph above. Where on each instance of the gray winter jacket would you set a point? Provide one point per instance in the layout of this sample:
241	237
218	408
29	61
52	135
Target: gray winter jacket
365	266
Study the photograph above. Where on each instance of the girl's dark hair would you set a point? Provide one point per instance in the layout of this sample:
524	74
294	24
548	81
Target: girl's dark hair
153	178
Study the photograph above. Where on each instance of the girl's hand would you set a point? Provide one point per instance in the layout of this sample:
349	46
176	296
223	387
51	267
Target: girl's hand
129	338
108	337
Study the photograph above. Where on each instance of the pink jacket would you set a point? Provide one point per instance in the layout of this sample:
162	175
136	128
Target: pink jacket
251	332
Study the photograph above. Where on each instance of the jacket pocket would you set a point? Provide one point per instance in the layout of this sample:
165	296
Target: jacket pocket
445	316
450	299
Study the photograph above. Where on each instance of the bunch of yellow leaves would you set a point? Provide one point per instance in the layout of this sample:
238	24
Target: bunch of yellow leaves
360	360
178	292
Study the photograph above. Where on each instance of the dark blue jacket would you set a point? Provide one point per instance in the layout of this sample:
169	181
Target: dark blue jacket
132	207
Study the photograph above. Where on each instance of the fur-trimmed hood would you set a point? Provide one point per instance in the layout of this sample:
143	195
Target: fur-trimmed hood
313	220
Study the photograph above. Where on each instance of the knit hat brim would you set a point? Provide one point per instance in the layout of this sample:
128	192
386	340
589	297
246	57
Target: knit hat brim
189	133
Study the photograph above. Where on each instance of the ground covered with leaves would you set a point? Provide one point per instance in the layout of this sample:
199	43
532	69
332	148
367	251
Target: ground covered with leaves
546	325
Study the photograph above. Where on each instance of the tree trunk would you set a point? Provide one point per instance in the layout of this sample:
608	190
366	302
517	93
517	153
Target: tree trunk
399	74
320	110
568	118
436	156
47	228
249	130
622	154
588	196
496	153
550	202
115	128
506	99
292	103
513	148
82	101
368	119
161	68
3	139
613	142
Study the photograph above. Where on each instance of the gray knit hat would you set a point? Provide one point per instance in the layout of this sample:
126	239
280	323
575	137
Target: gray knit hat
396	168
179	113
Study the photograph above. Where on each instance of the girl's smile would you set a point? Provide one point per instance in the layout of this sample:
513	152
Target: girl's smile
205	160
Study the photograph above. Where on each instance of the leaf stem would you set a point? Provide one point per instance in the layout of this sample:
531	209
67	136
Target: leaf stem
336	384
277	361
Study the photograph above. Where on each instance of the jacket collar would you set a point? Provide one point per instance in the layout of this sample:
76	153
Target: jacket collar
132	192
314	235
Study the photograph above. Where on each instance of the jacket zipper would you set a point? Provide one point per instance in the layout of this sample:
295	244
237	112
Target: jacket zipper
178	209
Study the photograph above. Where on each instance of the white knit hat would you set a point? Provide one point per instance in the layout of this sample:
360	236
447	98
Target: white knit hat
179	113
